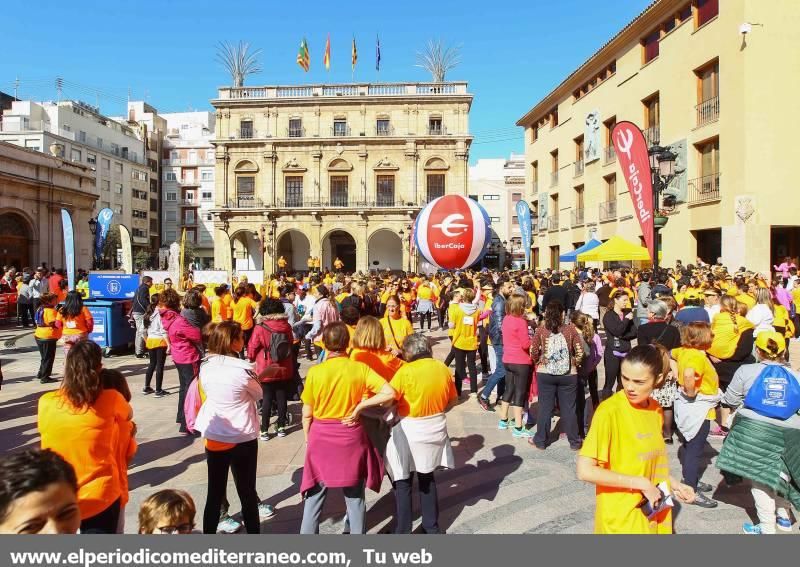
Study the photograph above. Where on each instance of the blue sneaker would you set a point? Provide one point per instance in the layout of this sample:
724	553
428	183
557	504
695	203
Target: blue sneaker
228	525
752	529
521	432
265	511
502	425
784	524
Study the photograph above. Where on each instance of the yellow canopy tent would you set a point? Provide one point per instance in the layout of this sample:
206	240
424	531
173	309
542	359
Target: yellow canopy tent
615	249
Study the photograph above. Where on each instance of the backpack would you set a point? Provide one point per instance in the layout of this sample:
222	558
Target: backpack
192	404
775	393
556	355
38	318
278	351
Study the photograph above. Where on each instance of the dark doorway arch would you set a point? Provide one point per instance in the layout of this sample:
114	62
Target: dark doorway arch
15	240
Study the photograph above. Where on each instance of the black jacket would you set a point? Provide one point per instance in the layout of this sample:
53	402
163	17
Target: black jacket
556	293
621	328
141	300
496	320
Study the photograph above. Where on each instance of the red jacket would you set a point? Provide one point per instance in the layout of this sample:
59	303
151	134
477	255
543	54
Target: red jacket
258	347
185	340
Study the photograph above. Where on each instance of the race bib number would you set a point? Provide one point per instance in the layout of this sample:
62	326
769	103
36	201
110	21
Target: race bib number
71	325
469	321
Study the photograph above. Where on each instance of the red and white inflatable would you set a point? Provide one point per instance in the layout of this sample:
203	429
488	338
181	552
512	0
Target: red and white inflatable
452	232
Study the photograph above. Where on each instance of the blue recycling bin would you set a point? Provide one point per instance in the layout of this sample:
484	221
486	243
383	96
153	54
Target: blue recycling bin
110	298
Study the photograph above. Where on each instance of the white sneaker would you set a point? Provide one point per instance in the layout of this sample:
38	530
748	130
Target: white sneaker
265	511
228	525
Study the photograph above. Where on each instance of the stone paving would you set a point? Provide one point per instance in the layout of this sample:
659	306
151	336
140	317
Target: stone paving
500	484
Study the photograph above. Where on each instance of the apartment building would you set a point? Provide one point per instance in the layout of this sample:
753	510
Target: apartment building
334	170
710	80
188	184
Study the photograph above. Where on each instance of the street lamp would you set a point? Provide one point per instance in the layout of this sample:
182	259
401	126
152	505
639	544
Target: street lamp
662	170
93	230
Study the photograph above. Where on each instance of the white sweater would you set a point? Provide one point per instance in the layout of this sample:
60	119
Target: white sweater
229	413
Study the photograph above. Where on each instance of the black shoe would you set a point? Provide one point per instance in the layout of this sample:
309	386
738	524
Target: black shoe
161	393
704	501
141	356
47	380
703	487
147	391
484	403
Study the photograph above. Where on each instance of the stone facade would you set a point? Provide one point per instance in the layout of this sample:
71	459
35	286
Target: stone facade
334	170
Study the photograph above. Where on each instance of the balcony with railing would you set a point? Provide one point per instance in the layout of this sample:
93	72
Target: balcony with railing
189	203
609	155
552	224
342	201
187	162
707	111
295	132
384	130
245	202
246	133
608	210
579	166
344	91
704	188
553	179
652	136
577	218
340	130
436	130
191	221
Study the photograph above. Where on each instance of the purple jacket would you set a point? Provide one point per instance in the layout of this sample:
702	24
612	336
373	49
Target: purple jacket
516	340
185	340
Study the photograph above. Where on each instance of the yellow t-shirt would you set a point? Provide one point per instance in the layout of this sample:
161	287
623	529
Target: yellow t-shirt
396	331
243	311
706	378
465	329
341	296
334	388
221	309
424	387
424	292
796	298
627	439
726	334
747	299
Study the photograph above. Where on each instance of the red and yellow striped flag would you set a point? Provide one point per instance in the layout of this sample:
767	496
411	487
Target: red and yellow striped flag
327	59
303	56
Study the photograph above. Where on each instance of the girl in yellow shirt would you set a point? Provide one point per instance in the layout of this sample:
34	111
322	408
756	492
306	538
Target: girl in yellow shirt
395	327
464	323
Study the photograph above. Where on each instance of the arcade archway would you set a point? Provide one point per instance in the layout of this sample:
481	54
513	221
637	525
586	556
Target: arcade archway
15	241
342	245
294	246
385	251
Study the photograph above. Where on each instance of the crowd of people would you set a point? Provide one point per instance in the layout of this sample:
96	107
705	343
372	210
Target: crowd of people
688	352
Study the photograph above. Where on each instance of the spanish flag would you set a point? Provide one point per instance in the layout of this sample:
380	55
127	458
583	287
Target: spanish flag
327	59
354	55
303	57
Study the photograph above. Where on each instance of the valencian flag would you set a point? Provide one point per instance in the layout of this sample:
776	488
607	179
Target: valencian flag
327	58
354	54
377	53
303	57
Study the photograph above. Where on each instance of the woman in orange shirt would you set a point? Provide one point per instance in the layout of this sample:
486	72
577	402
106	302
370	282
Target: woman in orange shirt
82	422
624	454
76	320
47	333
244	308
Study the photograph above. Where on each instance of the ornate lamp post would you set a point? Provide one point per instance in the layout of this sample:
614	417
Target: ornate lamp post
93	230
662	170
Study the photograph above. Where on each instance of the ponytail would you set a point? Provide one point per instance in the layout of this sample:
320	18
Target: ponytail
148	314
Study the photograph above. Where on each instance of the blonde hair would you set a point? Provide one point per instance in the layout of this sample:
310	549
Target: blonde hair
728	304
369	334
171	506
469	295
764	297
516	305
584	324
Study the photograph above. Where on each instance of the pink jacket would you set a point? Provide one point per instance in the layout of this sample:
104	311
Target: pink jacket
185	340
258	347
516	340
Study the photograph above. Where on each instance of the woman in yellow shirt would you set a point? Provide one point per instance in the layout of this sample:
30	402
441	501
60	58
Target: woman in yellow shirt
464	323
395	327
75	319
369	346
243	309
221	306
47	333
624	454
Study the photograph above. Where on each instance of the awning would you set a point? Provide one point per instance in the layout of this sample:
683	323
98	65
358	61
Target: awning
615	249
573	256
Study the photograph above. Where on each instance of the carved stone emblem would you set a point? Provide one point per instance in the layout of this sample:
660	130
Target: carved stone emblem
744	208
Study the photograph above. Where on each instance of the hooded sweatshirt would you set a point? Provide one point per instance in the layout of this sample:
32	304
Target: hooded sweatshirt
185	339
259	346
465	326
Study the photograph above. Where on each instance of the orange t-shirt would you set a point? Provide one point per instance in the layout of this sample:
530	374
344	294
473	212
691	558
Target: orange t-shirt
221	309
384	363
89	440
48	333
83	323
334	388
424	388
243	312
205	303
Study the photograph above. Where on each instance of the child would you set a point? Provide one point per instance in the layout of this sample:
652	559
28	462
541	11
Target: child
115	380
47	333
157	345
698	395
587	371
167	512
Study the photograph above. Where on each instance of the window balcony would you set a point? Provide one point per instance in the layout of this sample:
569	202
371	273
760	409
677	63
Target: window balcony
609	155
188	222
707	111
608	211
343	201
577	218
436	130
340	131
296	132
704	188
189	203
554	179
245	202
246	133
552	224
384	130
579	166
652	136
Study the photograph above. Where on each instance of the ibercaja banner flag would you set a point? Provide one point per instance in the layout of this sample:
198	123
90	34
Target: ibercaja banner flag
634	161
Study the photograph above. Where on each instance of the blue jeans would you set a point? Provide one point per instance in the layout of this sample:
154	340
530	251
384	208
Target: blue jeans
498	377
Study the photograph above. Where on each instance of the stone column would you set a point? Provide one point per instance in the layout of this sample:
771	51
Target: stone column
362	252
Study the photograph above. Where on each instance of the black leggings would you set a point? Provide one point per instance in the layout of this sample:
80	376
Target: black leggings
158	357
422	317
466	359
242	461
47	351
105	522
613	366
274	391
428	500
518	383
442	315
185	377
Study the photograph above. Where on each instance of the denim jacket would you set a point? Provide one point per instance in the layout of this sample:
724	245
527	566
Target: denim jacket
496	319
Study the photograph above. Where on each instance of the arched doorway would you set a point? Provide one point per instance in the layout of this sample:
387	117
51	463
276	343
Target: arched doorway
339	244
247	253
385	250
294	246
15	241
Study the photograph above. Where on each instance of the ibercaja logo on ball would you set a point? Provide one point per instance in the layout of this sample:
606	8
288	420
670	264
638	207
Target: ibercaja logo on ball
453	232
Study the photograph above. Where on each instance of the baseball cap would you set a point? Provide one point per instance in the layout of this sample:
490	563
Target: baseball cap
711	291
692	294
763	338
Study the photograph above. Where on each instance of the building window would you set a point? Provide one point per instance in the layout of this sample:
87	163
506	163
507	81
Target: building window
554	168
245	188
170	235
170	216
652	118
555	252
207	176
435	126
100	143
435	186
294	191
515	220
383	127
340	127
154	206
75	155
491	197
554	118
516	197
139	194
535	176
579	155
611	187
385	192
684	14
118	188
91	159
534	133
339	191
709	157
170	176
708	93
295	128
171	196
117	167
105	185
246	129
105	164
137	214
706	11
206	196
650	45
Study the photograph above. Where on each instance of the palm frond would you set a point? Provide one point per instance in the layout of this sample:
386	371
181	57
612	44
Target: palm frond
238	60
438	58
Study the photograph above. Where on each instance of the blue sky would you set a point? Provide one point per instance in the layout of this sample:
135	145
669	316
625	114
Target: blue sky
513	53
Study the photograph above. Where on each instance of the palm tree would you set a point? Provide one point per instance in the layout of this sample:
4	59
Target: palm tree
238	60
438	59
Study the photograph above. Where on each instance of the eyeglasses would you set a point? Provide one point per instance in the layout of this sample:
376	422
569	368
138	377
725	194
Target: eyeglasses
171	530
